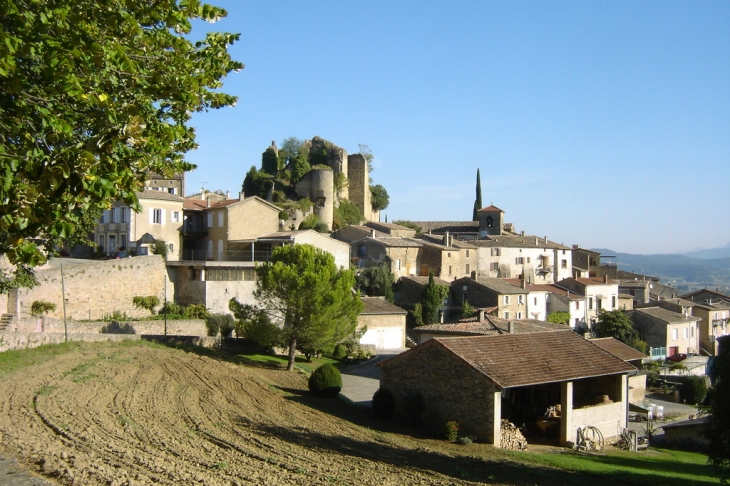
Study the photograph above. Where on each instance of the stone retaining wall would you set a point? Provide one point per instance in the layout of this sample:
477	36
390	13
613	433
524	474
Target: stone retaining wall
182	327
25	340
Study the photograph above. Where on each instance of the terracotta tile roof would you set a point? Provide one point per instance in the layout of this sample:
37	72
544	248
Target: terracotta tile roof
702	291
195	204
555	289
159	195
634	284
450	226
394	242
472	327
512	360
518	241
490	208
438	240
723	305
618	349
222	204
665	315
424	280
681	301
387	226
378	305
589	281
498	285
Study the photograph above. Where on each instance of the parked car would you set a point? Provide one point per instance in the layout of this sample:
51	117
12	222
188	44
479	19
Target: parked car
116	255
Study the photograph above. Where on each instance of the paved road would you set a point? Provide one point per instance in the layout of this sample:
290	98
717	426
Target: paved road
361	381
678	411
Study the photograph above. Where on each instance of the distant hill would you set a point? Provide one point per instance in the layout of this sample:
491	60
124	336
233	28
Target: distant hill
681	271
709	254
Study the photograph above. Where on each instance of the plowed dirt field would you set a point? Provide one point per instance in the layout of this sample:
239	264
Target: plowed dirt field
141	414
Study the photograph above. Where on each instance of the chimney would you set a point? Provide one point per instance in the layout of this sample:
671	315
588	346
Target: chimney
480	313
522	233
546	239
447	239
536	241
441	316
605	279
202	193
524	283
228	194
207	202
372	233
241	196
511	327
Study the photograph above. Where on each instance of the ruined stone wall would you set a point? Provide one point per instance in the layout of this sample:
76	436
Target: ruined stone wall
96	289
358	184
26	340
451	389
50	325
318	186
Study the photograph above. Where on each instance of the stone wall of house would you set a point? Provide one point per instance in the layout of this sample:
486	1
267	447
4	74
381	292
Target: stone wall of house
408	293
476	294
218	294
637	388
251	219
451	389
178	327
95	289
408	258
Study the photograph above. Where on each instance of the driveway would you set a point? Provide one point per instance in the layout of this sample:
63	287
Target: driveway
361	381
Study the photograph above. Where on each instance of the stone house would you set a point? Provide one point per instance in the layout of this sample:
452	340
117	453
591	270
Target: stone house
480	380
713	324
355	232
586	263
408	290
537	298
121	229
706	295
599	293
510	300
639	290
666	332
174	185
447	257
403	255
560	299
384	322
214	282
391	229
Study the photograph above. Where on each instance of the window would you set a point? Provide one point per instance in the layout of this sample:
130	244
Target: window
563	263
590	303
449	269
675	334
613	302
693	331
172	190
506	300
113	215
466	269
170	247
210	220
220	219
490	222
102	241
209	256
506	315
448	254
577	321
157	216
494	266
467	253
519	260
495	251
577	305
563	252
123	215
535	300
519	315
397	265
112	242
520	299
123	241
528	259
361	252
686	333
175	216
599	303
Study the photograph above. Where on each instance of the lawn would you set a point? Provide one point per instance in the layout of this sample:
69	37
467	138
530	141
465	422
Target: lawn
281	360
654	466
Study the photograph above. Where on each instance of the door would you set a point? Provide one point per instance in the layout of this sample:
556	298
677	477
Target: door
673	350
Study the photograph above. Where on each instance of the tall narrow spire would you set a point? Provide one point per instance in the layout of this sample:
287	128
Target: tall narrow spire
478	200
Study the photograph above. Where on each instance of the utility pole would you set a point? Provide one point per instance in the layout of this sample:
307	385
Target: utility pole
63	297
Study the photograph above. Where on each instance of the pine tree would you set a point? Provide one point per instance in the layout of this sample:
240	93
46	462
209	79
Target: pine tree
478	200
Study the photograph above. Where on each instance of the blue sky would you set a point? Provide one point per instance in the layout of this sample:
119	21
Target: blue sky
604	124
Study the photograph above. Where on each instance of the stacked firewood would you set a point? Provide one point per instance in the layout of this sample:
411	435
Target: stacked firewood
512	438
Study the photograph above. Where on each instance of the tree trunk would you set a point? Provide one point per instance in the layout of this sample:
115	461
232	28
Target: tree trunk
292	354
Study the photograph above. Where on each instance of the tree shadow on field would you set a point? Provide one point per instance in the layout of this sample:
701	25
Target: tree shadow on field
500	469
458	467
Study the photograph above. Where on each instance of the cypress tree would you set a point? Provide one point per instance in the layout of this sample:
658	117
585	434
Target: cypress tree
478	200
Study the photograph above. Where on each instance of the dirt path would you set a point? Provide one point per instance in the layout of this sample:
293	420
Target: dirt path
137	415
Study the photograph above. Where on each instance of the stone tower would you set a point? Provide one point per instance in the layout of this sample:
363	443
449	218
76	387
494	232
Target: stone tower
491	221
318	186
335	158
358	183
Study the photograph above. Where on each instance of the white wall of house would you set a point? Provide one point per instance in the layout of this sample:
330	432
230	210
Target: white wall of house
539	265
537	305
601	296
576	308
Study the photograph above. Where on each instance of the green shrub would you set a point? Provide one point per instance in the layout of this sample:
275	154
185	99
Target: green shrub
325	381
694	389
115	327
451	430
172	310
39	307
383	404
413	406
313	223
219	323
340	351
149	302
464	440
558	317
196	311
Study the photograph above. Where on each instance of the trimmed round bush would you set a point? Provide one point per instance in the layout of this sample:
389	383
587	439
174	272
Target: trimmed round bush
325	381
222	323
694	389
383	404
340	351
